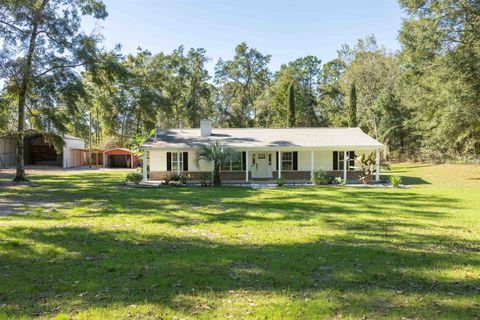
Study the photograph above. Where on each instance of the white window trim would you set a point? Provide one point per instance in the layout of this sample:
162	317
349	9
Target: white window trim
283	161
230	164
340	154
178	162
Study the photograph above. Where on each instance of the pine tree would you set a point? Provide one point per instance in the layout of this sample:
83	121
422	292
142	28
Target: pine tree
43	44
291	106
352	111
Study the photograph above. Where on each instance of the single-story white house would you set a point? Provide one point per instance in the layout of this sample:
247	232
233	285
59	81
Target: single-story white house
262	154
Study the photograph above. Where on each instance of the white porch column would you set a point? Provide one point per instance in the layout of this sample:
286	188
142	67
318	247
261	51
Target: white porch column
178	162
144	166
246	166
279	164
312	163
377	165
345	161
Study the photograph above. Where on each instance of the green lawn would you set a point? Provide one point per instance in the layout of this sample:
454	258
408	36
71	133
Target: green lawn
83	247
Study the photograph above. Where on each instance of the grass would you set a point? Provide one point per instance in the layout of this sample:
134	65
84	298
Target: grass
81	246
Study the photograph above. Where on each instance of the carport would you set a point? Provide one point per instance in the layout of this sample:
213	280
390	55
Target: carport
119	158
39	149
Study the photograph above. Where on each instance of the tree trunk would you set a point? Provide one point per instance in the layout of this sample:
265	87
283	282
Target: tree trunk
217	180
97	125
22	100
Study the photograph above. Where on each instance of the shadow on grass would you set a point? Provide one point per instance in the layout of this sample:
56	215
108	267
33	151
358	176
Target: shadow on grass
372	260
98	269
408	180
216	205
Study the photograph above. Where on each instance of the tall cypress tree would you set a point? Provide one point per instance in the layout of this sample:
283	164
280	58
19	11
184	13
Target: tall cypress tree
352	110
291	106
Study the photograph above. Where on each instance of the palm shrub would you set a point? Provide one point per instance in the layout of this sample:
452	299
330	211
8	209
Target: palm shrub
395	181
216	154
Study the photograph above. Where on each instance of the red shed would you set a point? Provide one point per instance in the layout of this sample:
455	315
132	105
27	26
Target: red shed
119	158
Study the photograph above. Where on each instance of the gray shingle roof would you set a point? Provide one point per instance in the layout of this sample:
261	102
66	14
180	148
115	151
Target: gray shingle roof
263	137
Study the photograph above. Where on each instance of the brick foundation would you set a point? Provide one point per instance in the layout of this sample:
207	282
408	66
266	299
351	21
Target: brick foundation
197	175
351	174
240	175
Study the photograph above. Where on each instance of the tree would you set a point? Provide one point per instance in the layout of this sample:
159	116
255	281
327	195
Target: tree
291	105
42	47
216	154
331	95
352	109
273	103
441	82
372	69
393	127
241	81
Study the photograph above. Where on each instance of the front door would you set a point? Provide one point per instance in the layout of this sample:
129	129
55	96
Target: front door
261	166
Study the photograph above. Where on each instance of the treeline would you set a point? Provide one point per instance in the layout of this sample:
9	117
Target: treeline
422	101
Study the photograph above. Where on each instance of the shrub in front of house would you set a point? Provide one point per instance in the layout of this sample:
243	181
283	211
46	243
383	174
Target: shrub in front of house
320	178
340	181
280	182
205	179
133	177
185	178
175	179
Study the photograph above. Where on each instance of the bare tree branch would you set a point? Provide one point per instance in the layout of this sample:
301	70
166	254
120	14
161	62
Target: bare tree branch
9	24
61	67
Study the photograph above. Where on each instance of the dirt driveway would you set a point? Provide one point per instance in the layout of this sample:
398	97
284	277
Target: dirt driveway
11	199
32	170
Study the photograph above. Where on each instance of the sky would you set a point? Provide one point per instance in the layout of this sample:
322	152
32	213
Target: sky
285	29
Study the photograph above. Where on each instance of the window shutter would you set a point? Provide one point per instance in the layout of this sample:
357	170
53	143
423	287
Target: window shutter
277	160
169	161
335	160
351	162
244	161
295	160
185	161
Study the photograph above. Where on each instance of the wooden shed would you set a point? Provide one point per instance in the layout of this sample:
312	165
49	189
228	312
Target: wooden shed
119	158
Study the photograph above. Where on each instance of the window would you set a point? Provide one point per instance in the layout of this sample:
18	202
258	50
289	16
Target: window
287	160
269	159
177	161
234	163
351	160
